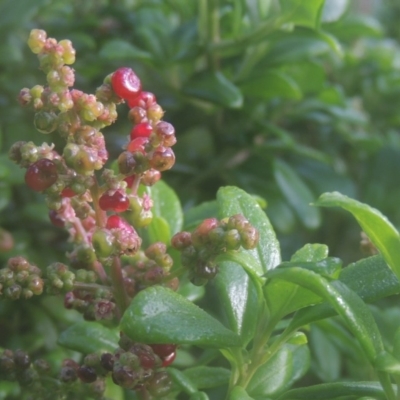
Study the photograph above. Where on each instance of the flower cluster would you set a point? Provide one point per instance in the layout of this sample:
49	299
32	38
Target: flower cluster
103	213
211	238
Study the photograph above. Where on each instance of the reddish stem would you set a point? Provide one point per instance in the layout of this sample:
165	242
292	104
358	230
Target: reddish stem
120	295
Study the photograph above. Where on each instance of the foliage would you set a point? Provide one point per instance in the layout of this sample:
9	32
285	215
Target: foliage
285	99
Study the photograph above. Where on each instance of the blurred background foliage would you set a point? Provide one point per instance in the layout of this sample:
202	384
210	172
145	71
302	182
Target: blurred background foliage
285	99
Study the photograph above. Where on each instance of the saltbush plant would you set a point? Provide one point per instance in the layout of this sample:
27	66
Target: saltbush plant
136	264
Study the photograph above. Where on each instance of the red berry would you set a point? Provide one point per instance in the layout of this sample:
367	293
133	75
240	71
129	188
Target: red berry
144	100
116	222
41	175
138	144
168	360
163	350
86	374
56	219
129	180
68	192
143	129
126	83
117	201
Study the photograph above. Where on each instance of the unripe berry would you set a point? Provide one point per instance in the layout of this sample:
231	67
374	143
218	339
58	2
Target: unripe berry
166	133
137	115
22	360
107	361
37	40
151	177
103	243
155	113
45	122
126	163
41	175
163	158
126	83
69	52
160	384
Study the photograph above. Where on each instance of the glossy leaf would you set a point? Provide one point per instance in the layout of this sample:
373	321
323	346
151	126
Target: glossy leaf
205	377
310	252
216	88
297	194
166	204
89	337
272	84
336	390
231	201
238	300
158	231
289	364
346	303
302	13
184	382
159	315
378	228
239	393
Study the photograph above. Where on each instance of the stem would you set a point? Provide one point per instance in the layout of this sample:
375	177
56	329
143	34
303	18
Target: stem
135	184
80	230
101	215
120	295
178	272
99	269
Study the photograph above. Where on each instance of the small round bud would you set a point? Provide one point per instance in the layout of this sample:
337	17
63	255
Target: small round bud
45	122
163	158
41	175
86	374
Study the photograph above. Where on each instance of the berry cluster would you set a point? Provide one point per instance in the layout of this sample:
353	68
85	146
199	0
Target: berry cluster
151	267
211	238
36	378
20	279
139	367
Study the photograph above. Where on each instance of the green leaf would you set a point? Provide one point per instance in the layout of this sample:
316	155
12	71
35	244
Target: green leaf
215	88
336	390
159	315
297	194
289	364
370	278
378	228
239	393
302	13
184	382
333	10
205	377
238	300
199	396
167	205
311	252
158	231
232	200
89	337
284	297
119	50
346	303
272	84
301	71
